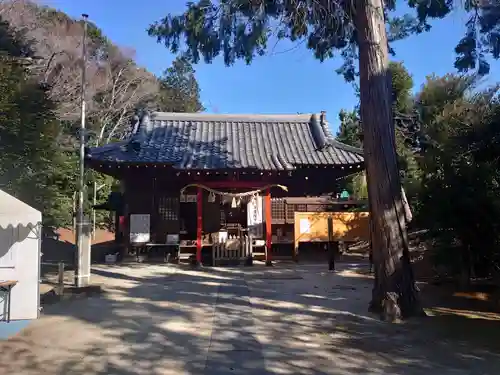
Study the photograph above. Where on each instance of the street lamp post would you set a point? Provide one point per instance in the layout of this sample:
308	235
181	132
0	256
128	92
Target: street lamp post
82	264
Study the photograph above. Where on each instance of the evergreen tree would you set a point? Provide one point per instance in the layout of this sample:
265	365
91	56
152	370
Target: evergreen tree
460	174
28	130
350	132
179	90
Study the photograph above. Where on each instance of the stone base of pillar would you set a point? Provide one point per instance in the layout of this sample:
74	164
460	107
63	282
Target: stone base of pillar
331	265
82	254
193	261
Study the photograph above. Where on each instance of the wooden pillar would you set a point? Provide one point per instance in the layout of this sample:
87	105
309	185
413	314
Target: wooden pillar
331	246
268	227
199	224
125	228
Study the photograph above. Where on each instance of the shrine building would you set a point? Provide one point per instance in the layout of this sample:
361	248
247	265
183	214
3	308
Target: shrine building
188	177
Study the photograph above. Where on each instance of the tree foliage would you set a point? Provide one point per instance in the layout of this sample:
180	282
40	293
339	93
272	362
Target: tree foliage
402	99
115	84
28	129
350	132
461	174
452	178
40	100
179	90
242	29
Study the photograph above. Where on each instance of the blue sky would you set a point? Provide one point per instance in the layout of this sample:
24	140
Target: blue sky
281	82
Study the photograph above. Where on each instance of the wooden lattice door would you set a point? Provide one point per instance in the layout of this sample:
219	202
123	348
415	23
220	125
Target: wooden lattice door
167	215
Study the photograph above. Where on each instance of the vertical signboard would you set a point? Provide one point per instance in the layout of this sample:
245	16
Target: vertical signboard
255	217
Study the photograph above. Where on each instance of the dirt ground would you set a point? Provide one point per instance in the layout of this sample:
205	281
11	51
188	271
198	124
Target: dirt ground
289	319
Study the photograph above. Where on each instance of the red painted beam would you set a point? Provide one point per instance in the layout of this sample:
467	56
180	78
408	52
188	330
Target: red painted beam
267	202
199	223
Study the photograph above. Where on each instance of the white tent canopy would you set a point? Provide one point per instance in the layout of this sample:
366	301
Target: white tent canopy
20	242
14	212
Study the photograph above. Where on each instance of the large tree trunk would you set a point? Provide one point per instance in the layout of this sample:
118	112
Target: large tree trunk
395	294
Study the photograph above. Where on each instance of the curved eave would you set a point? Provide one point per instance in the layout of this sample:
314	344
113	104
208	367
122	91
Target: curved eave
119	154
348	148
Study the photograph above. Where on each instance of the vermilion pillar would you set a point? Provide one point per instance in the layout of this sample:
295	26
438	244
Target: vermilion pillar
267	201
199	223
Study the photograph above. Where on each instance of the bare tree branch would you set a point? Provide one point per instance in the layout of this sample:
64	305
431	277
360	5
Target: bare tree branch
115	84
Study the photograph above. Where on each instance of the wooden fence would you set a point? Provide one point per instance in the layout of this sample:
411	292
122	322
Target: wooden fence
233	251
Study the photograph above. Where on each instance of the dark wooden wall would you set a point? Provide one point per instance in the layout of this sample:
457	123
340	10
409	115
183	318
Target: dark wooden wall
156	191
168	214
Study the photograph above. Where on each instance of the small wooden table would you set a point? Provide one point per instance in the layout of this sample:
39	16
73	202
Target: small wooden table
6	286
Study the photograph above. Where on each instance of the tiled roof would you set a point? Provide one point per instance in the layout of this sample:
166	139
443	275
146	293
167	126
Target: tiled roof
204	141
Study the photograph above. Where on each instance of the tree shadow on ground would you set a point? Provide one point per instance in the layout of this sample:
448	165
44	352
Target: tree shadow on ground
289	319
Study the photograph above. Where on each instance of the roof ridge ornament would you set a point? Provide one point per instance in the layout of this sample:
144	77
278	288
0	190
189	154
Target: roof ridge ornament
135	123
142	126
318	132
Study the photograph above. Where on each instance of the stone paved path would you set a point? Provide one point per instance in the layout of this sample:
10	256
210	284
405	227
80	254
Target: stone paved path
234	349
283	320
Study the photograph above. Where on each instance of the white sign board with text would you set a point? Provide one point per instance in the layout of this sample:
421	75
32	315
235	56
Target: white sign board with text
304	226
255	217
139	228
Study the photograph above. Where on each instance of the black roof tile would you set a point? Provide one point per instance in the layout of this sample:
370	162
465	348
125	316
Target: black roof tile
204	141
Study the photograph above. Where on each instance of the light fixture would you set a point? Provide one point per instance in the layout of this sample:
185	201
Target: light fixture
233	203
